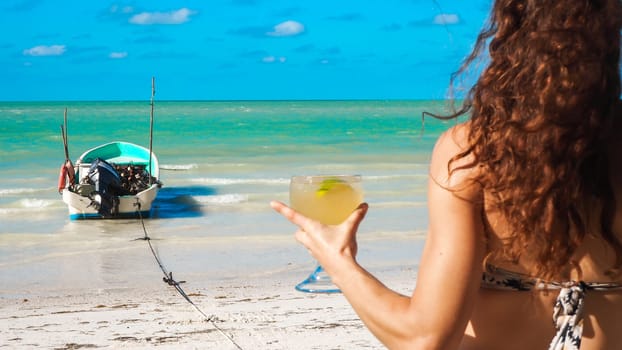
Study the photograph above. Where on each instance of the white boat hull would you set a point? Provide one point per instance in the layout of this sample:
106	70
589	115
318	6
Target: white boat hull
82	207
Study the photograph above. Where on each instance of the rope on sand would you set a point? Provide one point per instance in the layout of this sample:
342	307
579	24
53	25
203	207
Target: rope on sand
168	279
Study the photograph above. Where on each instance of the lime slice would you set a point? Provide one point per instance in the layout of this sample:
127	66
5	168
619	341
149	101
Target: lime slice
332	185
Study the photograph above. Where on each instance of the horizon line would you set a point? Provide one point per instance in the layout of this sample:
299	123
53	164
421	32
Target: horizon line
235	100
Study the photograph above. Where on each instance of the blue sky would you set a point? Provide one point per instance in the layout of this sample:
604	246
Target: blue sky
233	49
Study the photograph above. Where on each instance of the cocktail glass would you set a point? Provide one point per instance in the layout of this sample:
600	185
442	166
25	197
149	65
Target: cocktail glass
329	199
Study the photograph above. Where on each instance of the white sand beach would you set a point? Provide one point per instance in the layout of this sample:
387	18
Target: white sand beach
110	294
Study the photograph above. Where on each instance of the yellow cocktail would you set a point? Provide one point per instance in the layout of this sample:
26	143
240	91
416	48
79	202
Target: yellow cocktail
329	199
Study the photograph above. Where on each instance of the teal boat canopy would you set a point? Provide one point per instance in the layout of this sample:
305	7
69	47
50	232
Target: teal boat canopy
120	152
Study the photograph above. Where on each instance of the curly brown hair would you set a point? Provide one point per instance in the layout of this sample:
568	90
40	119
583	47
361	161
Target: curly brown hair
541	115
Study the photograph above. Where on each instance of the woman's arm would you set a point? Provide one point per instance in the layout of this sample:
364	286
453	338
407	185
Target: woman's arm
435	316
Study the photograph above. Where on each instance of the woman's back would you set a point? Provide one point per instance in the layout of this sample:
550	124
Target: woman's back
524	319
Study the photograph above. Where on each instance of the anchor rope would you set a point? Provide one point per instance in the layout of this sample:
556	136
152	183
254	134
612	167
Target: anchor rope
168	279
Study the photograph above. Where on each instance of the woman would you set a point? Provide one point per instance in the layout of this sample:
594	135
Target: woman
525	226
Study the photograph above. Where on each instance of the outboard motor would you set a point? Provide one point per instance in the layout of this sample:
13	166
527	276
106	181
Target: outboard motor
107	185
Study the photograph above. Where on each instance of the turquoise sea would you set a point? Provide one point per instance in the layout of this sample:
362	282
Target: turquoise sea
221	164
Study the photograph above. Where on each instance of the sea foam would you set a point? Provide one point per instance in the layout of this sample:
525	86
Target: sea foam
178	166
240	181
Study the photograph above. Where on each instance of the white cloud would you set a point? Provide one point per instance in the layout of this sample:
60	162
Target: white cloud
125	9
172	17
287	28
446	18
273	59
117	55
43	50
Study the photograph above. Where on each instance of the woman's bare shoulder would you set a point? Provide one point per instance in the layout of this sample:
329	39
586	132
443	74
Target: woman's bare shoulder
450	144
451	167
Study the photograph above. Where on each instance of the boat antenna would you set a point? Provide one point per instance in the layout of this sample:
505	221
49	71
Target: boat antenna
151	129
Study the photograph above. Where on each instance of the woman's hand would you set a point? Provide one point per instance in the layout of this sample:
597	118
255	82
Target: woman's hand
330	245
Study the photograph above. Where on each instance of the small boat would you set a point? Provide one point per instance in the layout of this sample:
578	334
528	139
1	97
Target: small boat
114	180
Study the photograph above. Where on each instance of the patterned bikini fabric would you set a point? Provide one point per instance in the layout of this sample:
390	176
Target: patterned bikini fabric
568	309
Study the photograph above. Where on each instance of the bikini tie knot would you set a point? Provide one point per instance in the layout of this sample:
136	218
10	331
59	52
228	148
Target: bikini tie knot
568	317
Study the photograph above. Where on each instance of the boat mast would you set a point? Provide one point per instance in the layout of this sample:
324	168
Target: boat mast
151	129
65	137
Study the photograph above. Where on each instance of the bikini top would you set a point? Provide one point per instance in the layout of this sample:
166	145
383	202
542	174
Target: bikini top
568	309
